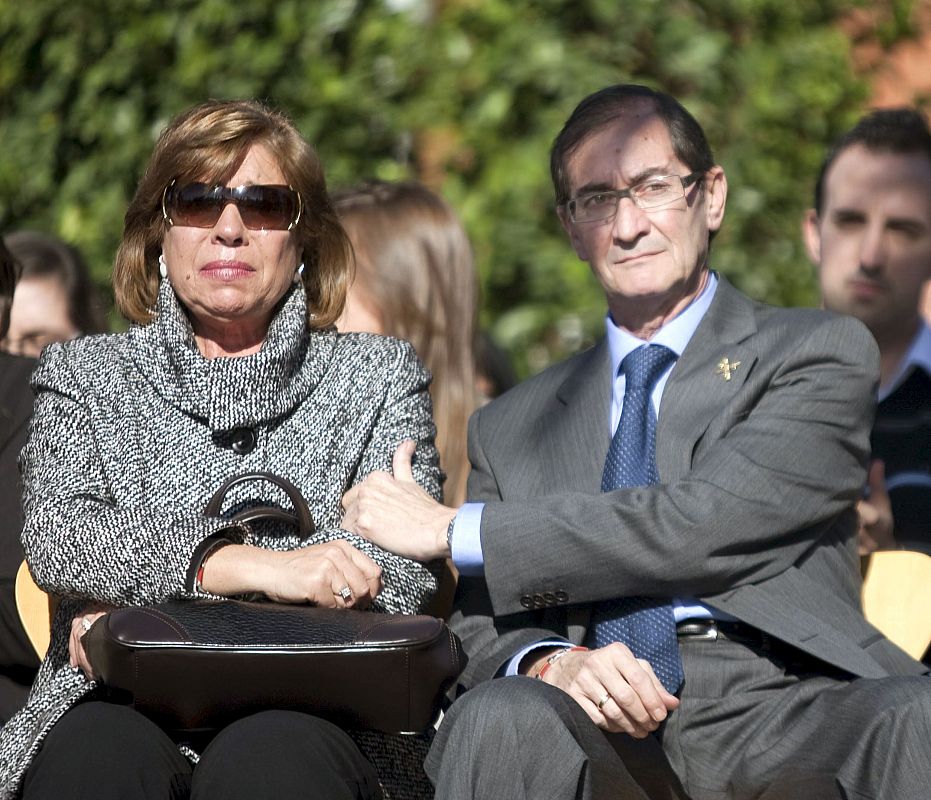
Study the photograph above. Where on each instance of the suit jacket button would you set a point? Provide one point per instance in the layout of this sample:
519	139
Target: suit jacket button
550	598
244	440
538	601
562	597
526	601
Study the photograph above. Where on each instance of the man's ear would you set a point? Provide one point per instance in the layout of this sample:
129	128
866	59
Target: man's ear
811	235
572	232
715	196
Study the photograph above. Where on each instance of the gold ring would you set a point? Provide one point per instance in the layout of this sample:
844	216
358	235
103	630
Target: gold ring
603	702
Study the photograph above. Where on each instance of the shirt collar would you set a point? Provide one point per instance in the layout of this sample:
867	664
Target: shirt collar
675	334
918	355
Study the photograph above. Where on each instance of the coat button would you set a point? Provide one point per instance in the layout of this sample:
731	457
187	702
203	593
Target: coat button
538	601
244	440
549	598
526	601
562	597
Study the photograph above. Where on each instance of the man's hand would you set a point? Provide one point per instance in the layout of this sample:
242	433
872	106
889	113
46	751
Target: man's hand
877	527
636	701
396	514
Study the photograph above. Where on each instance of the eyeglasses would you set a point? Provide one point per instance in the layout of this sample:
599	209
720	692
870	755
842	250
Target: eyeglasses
653	193
262	207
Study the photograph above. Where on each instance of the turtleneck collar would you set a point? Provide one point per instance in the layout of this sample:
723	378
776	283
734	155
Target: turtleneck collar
237	391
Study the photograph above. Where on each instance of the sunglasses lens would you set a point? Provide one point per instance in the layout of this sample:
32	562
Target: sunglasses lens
196	205
199	205
266	207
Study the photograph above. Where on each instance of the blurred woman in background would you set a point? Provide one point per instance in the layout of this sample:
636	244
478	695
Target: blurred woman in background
415	280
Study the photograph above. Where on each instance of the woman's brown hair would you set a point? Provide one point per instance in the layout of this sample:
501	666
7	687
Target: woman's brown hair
415	265
208	143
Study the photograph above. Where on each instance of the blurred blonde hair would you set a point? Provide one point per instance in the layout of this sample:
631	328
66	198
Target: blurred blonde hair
208	143
414	262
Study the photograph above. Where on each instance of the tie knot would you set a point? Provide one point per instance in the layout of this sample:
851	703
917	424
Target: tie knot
643	366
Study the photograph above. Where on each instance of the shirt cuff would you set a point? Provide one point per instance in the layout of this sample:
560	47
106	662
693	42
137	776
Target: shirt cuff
512	667
467	540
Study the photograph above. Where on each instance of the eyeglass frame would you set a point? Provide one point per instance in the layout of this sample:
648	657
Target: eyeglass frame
230	199
620	194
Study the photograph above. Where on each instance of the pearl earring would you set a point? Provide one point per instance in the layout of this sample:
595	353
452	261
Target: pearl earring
298	272
162	266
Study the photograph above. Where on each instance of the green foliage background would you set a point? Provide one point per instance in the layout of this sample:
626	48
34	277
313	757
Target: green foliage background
463	94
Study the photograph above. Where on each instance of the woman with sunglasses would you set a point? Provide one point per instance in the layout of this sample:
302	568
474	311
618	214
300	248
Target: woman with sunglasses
232	268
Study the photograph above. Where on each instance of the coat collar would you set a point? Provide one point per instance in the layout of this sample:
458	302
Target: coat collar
232	392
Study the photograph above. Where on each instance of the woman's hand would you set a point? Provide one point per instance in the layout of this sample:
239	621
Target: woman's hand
80	625
333	575
395	513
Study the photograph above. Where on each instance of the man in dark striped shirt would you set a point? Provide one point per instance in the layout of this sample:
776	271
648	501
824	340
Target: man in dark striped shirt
870	235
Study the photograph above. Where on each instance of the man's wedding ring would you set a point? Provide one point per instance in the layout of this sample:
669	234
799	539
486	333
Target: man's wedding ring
86	624
603	702
346	593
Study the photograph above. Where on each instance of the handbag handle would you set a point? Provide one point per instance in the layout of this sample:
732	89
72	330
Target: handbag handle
299	517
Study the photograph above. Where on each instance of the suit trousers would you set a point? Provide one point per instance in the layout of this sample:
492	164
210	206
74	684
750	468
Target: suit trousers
105	751
756	720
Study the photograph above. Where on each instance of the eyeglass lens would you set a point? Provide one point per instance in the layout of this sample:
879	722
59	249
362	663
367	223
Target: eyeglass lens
656	192
262	207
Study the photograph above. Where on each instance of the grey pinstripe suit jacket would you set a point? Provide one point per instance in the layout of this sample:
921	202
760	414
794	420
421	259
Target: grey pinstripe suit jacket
754	513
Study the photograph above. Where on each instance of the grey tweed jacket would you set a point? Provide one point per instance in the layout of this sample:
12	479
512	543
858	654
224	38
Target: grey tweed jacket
133	433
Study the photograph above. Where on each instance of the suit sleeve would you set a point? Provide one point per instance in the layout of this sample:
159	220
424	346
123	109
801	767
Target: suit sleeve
489	641
765	486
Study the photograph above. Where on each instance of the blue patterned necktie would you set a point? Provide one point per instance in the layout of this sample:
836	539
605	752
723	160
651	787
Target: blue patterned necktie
646	625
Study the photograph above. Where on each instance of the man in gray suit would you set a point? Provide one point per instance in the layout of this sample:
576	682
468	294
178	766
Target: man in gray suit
661	550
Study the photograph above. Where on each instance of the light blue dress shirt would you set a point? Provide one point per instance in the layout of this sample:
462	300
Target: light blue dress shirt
675	334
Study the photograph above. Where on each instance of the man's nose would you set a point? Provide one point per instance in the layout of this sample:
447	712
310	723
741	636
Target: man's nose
630	222
872	250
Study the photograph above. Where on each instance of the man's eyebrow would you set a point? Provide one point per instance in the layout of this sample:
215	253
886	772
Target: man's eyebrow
595	186
640	177
847	213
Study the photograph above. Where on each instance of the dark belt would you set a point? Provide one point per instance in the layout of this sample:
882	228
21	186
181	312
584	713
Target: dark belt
713	629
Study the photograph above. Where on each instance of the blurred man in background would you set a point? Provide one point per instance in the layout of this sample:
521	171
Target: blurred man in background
18	661
870	236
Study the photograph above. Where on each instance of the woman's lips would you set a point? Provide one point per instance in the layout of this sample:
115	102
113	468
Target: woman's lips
226	270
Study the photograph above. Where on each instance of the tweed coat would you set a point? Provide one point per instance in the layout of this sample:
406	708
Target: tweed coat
133	433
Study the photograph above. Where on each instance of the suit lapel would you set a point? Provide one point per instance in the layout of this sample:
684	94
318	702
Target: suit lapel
698	388
574	435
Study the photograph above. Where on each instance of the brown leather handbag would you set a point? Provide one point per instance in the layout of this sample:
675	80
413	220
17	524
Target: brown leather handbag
197	665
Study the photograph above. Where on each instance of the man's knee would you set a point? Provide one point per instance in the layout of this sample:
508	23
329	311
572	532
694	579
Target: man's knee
515	704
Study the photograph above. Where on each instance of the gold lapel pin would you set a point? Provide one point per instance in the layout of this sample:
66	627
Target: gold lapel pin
725	368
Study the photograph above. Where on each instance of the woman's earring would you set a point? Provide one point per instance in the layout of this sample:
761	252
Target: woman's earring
162	266
298	272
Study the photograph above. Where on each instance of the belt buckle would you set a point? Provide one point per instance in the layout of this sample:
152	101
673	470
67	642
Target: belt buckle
709	630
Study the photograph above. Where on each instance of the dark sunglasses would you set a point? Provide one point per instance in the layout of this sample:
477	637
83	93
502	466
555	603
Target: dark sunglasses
262	207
